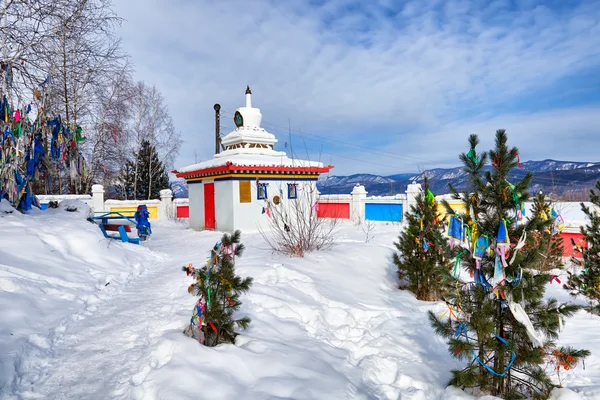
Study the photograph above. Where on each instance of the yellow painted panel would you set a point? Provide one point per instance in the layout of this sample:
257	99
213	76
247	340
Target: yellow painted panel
457	207
130	211
245	192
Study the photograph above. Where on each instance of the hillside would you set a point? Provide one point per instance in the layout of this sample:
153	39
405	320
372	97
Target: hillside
554	176
550	176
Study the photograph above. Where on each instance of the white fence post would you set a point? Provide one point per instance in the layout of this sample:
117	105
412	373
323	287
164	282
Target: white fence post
412	191
357	211
98	197
165	210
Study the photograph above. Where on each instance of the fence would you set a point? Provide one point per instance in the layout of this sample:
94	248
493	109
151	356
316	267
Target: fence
165	208
356	206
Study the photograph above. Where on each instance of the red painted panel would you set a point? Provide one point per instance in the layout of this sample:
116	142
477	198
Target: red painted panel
115	227
209	206
333	210
183	211
568	250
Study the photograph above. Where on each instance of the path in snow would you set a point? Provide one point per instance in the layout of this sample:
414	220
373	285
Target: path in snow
331	325
99	354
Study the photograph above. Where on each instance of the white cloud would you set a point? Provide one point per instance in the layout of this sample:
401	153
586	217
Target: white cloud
339	73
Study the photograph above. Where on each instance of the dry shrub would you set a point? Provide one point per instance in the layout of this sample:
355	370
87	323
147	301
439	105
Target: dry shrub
294	227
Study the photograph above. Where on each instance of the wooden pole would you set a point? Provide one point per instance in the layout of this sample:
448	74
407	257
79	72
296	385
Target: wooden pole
217	108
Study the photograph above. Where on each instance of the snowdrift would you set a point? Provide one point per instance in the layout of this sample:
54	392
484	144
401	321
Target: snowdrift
55	267
84	317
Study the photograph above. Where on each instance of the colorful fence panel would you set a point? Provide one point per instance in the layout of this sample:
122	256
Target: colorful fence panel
568	249
183	211
334	210
130	211
383	212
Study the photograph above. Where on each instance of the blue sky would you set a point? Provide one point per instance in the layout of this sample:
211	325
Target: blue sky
381	86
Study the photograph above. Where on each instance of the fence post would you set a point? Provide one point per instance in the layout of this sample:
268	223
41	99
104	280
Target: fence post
412	191
165	210
357	206
98	197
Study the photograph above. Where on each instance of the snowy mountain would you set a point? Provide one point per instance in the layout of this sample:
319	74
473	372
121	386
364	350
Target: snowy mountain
550	176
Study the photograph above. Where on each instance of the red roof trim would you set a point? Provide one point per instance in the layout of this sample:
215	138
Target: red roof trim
250	168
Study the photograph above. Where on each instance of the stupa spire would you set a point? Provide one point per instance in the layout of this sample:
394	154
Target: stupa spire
248	97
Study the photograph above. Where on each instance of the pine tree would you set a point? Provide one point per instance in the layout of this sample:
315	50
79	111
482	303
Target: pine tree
587	281
424	257
547	241
500	322
147	180
218	289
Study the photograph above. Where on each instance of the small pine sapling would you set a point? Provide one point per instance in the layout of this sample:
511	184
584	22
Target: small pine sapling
424	255
586	281
218	289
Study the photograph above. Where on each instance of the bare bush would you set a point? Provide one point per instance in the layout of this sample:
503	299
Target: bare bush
294	227
367	227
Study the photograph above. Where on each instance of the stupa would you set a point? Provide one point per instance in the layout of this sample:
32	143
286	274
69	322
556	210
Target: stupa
238	187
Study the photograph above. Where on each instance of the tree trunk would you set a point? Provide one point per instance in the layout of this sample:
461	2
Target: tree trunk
499	387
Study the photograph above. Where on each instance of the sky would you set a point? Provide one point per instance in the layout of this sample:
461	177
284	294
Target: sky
378	86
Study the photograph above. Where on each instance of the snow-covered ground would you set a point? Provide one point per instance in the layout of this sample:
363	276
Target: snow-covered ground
86	318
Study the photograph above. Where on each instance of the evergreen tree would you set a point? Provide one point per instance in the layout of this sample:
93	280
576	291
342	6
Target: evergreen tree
218	289
547	241
502	325
146	176
424	257
587	281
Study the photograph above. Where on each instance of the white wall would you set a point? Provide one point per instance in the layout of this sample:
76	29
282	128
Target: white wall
196	203
248	215
224	211
306	196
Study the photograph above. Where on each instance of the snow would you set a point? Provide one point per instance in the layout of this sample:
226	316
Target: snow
85	317
251	157
51	197
6	207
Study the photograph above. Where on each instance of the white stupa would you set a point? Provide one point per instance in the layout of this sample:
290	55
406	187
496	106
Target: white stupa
237	187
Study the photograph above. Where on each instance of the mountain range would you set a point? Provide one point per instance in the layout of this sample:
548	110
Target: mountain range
551	176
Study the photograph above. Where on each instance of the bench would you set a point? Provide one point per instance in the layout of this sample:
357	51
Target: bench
105	226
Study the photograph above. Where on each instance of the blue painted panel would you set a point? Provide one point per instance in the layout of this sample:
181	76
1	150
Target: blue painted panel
43	206
383	212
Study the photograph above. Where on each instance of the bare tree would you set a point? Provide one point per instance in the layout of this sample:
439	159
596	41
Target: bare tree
367	227
65	58
107	137
295	227
81	57
26	27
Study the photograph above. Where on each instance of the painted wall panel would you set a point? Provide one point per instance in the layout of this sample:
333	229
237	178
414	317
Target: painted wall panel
383	212
334	210
183	211
568	250
457	207
130	211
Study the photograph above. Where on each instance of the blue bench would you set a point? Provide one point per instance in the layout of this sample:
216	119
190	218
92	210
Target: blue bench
103	222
